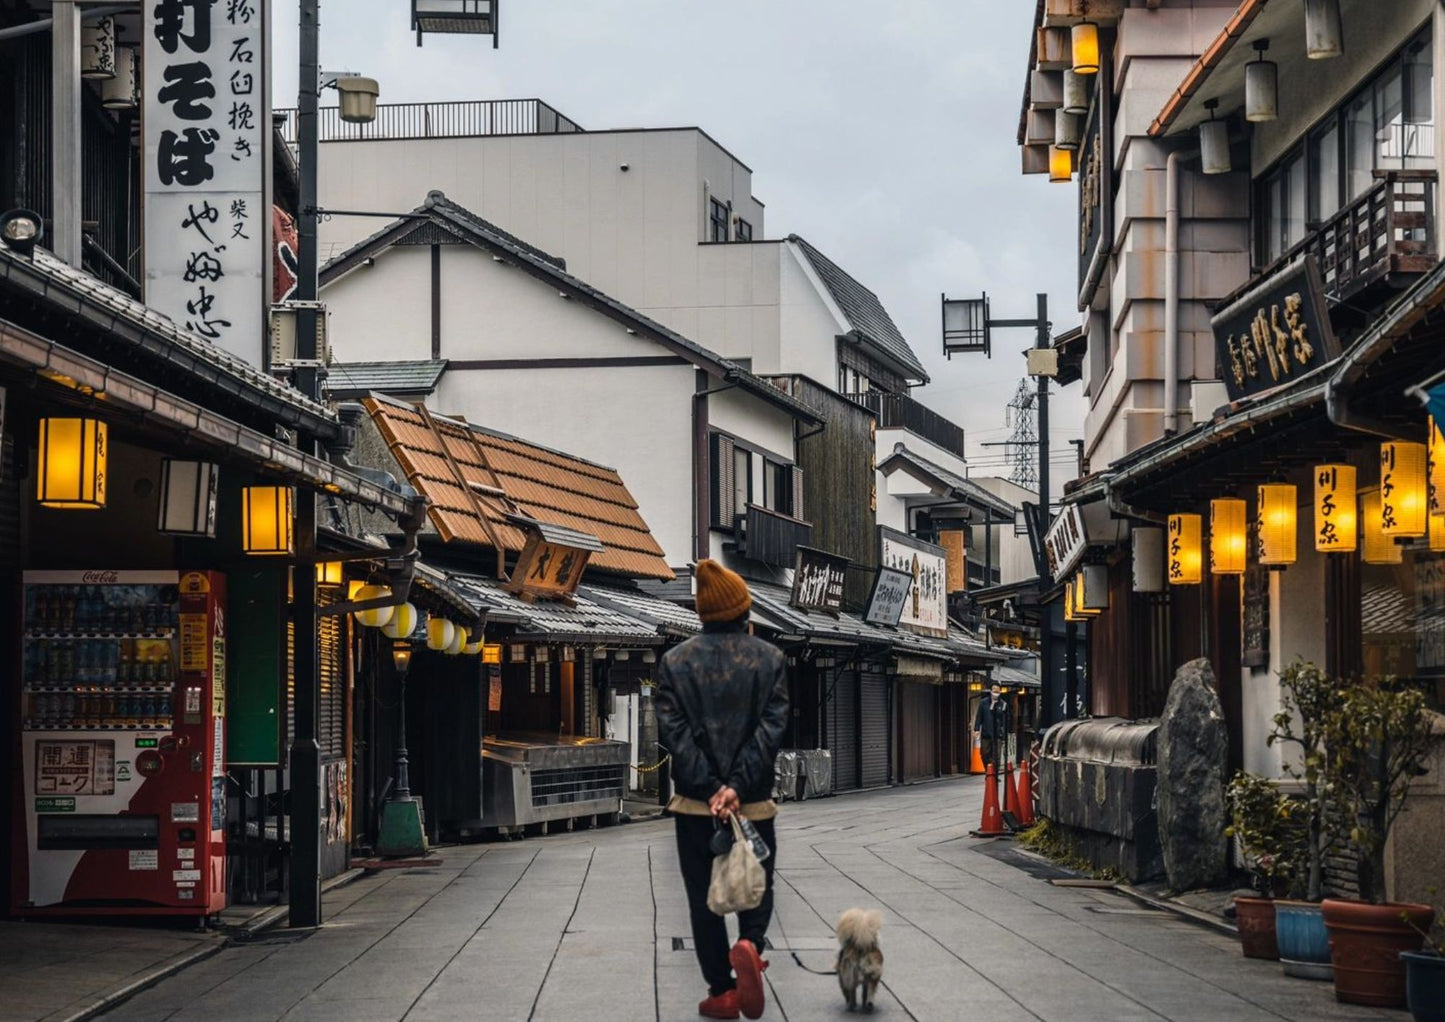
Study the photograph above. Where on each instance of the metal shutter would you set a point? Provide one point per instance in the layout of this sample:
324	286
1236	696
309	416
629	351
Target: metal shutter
330	676
721	455
873	702
842	719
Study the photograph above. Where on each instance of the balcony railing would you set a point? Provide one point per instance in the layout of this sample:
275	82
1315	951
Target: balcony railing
770	537
899	411
462	119
1388	230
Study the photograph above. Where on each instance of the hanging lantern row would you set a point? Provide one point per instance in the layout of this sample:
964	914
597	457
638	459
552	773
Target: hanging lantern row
1228	536
1186	557
400	622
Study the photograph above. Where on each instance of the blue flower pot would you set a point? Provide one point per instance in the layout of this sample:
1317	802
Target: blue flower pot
1425	986
1304	943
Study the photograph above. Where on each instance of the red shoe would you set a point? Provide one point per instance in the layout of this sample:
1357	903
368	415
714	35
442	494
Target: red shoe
723	1005
748	966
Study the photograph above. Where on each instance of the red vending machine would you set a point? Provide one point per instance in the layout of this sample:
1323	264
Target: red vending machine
123	718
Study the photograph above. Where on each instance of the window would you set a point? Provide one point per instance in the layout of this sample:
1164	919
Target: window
718	221
1389	124
742	480
743	231
778	487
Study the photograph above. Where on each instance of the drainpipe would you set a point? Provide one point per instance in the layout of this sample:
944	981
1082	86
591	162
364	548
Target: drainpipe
1171	288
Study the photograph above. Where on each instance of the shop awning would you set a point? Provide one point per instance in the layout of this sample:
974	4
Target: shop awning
124	330
84	382
772	610
1014	677
585	622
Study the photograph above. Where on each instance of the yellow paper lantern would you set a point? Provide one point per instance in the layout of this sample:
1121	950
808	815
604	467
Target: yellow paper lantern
328	573
1085	45
473	648
1186	558
1436	469
1378	548
459	641
1278	524
403	622
268	516
1336	520
378	616
439	634
1061	165
72	456
1437	533
1228	536
1404	504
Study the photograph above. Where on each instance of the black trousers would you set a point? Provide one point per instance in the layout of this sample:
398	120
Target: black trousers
709	931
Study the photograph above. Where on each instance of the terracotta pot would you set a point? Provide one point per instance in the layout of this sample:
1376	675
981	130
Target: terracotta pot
1304	945
1425	985
1365	945
1255	918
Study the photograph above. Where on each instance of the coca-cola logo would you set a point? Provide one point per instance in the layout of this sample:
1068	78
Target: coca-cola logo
100	577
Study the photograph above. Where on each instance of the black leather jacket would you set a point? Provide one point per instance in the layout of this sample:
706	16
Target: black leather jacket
722	706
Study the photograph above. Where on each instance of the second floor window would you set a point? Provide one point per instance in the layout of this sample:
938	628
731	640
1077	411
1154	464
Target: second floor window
743	477
717	221
743	231
1389	124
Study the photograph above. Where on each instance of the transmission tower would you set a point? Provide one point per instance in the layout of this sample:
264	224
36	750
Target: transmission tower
1022	448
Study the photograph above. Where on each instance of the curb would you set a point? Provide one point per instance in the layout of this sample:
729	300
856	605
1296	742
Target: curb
1184	911
262	920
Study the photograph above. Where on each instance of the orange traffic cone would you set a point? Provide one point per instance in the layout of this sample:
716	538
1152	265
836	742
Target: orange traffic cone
991	825
1026	795
1010	793
975	763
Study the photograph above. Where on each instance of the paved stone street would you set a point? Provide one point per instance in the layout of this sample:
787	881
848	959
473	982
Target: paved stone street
593	926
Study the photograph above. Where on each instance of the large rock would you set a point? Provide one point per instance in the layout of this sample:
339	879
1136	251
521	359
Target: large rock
1193	749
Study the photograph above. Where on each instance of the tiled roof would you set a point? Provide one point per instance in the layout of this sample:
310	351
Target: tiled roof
502	476
672	618
356	378
864	312
585	621
124	320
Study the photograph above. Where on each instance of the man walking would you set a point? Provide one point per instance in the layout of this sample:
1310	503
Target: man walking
722	706
991	725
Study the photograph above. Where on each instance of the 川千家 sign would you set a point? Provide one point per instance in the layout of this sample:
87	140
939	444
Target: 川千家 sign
1275	333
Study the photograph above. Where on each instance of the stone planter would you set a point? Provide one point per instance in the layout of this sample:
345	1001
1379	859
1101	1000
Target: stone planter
1255	919
1304	944
1365	945
1424	986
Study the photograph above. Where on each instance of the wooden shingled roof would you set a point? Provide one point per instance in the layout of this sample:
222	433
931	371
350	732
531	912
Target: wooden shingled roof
476	480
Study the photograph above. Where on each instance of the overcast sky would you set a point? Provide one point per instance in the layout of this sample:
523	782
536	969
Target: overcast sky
883	132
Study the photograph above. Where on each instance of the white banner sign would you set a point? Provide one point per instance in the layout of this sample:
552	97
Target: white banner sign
926	607
207	168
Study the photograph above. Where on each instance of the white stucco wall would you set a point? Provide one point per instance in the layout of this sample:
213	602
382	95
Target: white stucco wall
810	326
749	418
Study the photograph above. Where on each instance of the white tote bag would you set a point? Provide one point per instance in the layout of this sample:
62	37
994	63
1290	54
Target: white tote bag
738	880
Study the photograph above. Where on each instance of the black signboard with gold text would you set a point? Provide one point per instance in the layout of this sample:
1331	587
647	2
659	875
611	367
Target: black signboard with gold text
818	579
1275	333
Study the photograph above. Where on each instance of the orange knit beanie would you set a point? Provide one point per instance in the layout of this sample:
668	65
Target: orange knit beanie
722	595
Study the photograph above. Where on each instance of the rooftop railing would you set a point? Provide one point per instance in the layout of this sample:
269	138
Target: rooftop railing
461	119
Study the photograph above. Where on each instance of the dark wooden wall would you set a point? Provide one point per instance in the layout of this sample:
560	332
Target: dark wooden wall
838	479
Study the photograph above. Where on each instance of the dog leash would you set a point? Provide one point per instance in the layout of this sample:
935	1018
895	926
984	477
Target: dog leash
815	972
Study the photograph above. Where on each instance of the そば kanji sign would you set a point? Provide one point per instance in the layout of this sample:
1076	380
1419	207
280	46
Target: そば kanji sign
207	168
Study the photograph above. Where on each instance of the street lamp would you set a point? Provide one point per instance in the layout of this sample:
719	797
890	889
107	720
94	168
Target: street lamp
469	17
401	834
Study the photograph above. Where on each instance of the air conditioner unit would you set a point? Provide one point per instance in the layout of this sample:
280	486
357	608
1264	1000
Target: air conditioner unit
283	337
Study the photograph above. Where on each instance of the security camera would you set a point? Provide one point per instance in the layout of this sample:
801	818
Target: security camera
625	167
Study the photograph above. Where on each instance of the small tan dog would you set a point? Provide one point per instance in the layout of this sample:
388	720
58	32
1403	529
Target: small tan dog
860	962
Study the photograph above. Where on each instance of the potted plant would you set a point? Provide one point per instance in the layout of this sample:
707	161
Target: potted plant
1425	975
1270	834
1379	738
1309	698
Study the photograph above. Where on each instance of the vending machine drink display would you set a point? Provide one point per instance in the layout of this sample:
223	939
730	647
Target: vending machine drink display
123	710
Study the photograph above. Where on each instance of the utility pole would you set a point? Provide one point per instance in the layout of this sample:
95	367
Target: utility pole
1046	644
305	752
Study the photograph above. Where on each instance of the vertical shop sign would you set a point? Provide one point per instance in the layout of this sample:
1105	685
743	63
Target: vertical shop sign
207	168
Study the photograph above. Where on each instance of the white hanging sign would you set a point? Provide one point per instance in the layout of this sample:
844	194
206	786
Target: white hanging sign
207	168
